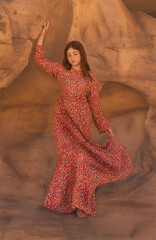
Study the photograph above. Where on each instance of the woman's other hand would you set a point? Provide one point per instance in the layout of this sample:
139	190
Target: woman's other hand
109	132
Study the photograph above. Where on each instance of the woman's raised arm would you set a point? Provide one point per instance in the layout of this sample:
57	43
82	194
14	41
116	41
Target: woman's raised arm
45	65
43	32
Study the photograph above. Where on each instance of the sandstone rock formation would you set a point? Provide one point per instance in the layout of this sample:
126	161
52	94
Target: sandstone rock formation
20	21
148	6
121	49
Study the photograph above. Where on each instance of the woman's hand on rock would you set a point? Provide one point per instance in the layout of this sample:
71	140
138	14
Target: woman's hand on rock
45	25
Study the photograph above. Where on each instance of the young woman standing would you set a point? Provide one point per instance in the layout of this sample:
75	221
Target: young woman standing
81	164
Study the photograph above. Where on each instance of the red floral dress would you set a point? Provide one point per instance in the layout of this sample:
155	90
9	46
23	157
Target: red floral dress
81	164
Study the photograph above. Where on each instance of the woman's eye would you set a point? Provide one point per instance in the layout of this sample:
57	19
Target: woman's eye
75	53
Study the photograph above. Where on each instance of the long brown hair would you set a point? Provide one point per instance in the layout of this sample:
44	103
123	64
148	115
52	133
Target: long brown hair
84	64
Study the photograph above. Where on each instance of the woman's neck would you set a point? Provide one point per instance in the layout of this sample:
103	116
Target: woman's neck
76	68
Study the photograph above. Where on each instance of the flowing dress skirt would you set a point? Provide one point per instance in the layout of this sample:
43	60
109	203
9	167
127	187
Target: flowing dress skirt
81	164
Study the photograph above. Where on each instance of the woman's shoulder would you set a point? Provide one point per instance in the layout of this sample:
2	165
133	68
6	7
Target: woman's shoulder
58	66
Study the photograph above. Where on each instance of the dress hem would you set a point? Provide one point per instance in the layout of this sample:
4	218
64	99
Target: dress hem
67	211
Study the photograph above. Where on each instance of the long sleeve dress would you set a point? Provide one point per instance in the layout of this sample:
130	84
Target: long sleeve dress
81	165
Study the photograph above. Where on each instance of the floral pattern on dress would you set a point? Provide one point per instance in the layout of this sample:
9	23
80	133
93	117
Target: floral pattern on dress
81	165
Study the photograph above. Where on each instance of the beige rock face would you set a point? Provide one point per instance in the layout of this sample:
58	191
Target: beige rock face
20	21
121	50
148	6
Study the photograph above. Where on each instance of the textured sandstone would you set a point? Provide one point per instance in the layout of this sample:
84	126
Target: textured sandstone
20	21
121	49
148	6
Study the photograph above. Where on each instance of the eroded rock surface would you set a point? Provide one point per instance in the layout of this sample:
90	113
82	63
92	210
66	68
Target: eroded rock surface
148	6
20	21
121	50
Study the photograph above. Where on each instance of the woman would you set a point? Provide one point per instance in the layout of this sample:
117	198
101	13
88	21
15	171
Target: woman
81	164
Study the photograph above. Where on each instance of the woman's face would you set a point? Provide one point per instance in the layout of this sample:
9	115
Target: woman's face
74	57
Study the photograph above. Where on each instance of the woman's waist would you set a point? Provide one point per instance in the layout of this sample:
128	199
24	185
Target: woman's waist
72	102
73	98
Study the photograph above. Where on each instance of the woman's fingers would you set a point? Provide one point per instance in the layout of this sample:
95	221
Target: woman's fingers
109	132
46	24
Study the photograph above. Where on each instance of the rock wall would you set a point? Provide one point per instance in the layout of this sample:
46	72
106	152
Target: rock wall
146	6
121	50
20	21
122	53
